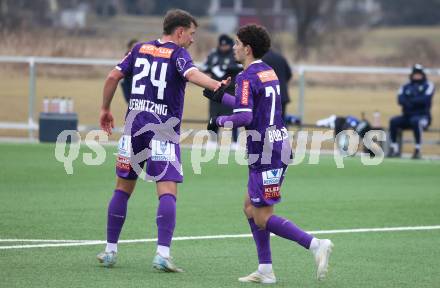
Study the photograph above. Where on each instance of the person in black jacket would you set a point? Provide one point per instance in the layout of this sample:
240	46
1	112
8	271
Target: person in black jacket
415	97
220	65
281	67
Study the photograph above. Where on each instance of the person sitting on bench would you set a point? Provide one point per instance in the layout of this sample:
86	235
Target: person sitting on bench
415	97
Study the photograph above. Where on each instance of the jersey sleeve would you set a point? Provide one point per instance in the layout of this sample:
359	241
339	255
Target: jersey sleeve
244	98
126	64
183	62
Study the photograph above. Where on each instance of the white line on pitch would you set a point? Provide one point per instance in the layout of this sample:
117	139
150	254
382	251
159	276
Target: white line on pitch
43	240
98	242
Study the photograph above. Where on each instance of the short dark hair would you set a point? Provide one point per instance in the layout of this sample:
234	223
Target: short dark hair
177	18
255	36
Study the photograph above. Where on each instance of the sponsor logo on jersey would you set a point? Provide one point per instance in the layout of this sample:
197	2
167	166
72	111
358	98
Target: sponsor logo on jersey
271	192
160	52
162	151
268	75
272	177
245	93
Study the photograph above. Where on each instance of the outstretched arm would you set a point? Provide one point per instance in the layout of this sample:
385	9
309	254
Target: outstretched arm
200	79
238	119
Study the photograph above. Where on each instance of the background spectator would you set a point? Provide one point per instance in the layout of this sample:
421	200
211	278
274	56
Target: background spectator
220	65
415	97
284	73
126	82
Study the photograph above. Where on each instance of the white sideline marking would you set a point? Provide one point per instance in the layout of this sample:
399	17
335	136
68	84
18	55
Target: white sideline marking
71	243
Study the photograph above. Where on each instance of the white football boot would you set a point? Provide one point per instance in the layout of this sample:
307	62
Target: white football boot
258	277
165	264
107	258
322	256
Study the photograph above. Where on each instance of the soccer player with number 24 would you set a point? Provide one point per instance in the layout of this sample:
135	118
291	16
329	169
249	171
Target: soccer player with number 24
160	70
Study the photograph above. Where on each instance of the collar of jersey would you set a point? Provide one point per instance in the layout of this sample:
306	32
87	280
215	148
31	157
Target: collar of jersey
255	62
160	41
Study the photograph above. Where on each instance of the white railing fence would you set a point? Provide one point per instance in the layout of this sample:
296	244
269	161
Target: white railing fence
300	70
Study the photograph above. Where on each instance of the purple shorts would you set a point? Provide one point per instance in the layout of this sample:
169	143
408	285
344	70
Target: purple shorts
264	188
162	158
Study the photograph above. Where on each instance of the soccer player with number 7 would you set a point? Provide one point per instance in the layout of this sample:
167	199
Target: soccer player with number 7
257	107
160	70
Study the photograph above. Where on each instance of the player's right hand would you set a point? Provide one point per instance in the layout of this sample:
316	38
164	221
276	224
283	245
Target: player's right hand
106	121
227	81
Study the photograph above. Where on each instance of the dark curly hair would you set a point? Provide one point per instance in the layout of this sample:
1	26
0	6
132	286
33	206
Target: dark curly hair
256	37
177	18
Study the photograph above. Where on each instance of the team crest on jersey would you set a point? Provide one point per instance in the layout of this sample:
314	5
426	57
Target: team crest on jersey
160	52
162	151
272	177
245	93
180	64
266	76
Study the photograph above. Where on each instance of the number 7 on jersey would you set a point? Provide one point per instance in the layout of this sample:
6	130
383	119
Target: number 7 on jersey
270	92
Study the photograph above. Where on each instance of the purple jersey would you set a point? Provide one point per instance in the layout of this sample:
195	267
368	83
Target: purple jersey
258	91
158	87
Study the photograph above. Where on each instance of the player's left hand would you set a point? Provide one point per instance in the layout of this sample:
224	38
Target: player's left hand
212	124
106	121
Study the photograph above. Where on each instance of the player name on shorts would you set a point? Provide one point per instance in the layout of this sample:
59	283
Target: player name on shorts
277	134
148	106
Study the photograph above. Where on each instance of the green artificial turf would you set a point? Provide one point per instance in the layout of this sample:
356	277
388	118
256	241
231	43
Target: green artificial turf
38	200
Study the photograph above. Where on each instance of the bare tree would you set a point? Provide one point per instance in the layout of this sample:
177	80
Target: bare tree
313	18
16	13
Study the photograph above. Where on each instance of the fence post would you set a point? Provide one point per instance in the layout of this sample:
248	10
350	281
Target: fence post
31	123
301	96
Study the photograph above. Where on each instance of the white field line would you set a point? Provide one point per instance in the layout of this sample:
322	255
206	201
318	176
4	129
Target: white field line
71	243
43	240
